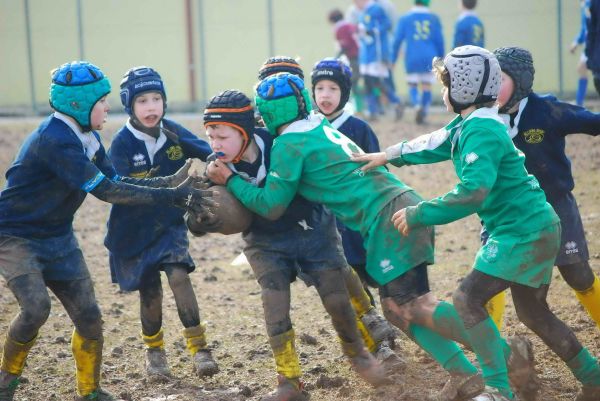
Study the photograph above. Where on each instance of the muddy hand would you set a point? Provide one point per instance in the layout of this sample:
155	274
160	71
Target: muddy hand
181	175
399	221
373	159
218	172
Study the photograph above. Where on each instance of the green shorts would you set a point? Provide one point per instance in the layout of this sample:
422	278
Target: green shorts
526	259
389	253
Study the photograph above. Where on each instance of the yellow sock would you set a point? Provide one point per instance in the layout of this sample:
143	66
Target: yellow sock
88	357
195	338
495	308
284	352
14	355
361	303
590	299
366	336
154	341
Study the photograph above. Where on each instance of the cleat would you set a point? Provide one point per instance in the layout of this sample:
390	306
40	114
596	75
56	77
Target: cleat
493	394
521	369
287	390
461	388
156	364
96	395
204	364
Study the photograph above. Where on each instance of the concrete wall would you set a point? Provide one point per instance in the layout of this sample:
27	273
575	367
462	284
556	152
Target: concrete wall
118	34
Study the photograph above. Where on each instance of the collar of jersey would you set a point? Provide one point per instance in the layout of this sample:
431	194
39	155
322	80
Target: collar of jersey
307	124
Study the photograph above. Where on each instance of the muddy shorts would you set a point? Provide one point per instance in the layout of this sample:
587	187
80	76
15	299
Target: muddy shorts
410	285
171	248
573	245
389	253
56	258
526	259
296	251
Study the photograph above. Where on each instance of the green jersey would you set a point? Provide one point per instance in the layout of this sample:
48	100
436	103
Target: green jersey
312	159
493	180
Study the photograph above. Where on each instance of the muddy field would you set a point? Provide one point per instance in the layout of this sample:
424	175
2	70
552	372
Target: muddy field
229	299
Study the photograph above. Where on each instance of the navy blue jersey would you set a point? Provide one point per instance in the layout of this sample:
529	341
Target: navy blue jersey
469	30
592	40
360	133
300	211
49	180
541	128
133	228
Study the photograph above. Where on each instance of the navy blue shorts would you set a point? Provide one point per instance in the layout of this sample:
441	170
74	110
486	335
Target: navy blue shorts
56	258
410	285
170	248
296	251
573	245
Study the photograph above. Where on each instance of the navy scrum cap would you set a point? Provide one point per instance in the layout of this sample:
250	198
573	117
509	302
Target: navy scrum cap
139	80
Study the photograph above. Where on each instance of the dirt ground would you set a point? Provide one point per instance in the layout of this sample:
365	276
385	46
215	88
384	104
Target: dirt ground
229	299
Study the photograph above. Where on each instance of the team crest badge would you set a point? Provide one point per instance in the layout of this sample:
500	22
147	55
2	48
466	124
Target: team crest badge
174	152
139	160
386	265
534	135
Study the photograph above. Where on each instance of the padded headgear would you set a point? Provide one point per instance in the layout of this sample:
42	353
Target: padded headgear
76	87
517	63
282	99
474	76
277	64
139	80
234	109
337	71
335	15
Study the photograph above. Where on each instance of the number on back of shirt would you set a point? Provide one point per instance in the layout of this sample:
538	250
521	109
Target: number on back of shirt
347	145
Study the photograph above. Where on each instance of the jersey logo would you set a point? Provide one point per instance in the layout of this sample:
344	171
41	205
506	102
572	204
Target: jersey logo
139	160
386	265
534	135
571	247
174	152
471	158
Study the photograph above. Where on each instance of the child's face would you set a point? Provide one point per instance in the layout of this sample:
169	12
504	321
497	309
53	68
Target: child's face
99	114
148	108
225	141
327	96
507	87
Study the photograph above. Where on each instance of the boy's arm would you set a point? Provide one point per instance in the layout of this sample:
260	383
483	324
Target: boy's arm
480	154
425	149
578	120
280	187
398	38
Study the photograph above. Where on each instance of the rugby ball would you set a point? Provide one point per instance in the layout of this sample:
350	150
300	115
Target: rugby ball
230	216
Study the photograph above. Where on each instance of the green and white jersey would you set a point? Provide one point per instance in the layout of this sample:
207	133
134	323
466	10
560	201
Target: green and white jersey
312	159
493	180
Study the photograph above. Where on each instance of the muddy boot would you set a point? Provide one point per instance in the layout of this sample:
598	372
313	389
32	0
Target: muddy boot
204	364
493	394
287	390
392	362
379	328
461	387
365	364
521	368
399	111
157	367
588	393
420	117
96	395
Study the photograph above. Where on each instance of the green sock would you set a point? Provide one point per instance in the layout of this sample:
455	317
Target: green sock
490	350
450	324
446	352
585	368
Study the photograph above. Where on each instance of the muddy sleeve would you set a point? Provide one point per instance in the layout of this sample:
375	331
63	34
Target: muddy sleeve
124	193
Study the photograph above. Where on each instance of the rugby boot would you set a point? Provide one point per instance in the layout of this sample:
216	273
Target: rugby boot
96	395
156	364
493	394
287	390
204	364
365	364
521	368
392	362
461	387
